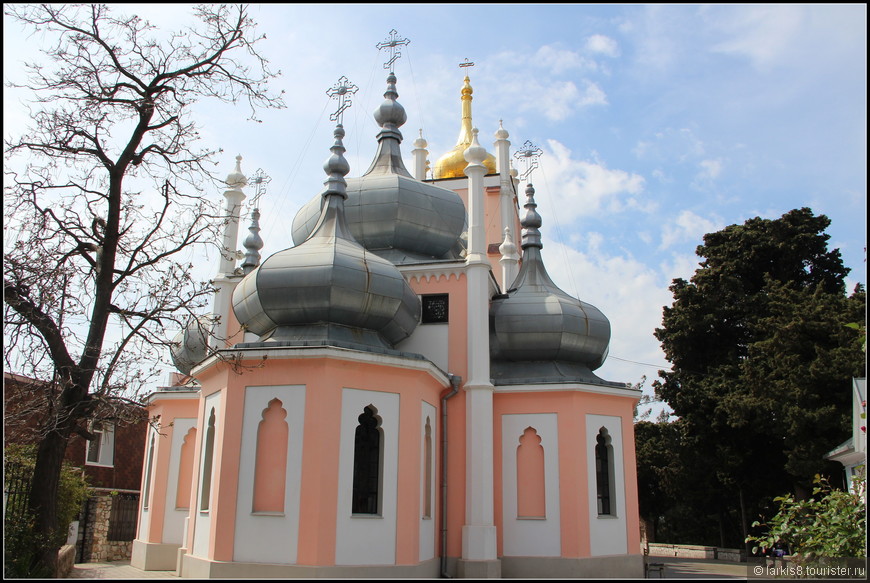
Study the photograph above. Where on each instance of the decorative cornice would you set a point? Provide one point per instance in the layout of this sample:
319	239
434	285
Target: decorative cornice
627	391
330	352
426	272
171	394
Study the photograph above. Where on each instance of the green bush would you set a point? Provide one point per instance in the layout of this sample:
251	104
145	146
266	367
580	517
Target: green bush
831	523
21	542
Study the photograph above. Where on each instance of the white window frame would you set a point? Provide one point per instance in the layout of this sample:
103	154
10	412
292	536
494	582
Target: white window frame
105	432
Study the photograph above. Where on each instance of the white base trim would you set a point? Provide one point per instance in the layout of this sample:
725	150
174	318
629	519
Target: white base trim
154	556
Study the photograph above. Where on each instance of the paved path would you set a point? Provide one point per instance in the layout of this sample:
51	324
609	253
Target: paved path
679	568
674	568
116	570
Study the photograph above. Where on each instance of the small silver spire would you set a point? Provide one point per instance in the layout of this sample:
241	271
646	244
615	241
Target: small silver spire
336	166
532	221
253	242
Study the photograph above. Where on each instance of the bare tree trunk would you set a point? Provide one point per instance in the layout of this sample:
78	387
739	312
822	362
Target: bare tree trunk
43	495
744	524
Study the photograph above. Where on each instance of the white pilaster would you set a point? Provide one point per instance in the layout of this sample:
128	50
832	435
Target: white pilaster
509	260
478	533
503	164
229	254
421	155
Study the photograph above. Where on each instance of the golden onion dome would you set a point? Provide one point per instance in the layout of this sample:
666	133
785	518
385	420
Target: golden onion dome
453	163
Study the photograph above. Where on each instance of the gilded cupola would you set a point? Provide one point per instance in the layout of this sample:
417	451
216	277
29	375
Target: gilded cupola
452	164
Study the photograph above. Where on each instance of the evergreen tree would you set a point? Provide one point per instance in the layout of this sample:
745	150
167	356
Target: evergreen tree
762	359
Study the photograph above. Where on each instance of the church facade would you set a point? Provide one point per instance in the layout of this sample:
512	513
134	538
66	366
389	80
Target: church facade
404	392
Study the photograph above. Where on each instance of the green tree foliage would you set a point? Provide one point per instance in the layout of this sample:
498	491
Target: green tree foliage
761	359
832	523
658	471
21	539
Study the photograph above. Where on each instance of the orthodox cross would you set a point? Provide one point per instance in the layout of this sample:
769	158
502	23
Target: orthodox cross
466	63
341	91
391	43
528	155
259	181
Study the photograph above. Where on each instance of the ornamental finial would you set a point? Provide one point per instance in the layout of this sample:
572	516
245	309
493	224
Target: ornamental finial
341	92
391	44
528	155
259	181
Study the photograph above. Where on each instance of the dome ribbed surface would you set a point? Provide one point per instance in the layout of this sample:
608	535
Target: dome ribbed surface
387	210
328	288
539	333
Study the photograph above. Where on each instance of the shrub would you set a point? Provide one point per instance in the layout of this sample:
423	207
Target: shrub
21	543
831	523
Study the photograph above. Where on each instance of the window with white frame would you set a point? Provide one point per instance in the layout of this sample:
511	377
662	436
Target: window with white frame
101	449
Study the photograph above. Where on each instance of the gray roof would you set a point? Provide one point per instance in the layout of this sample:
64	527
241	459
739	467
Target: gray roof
388	211
328	286
554	335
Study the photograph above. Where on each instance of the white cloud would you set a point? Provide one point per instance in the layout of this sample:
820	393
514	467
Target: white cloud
556	100
764	34
688	226
710	169
598	43
628	292
670	145
583	187
559	60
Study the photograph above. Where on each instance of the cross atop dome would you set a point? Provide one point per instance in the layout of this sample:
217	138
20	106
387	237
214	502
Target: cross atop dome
391	44
528	155
341	92
259	181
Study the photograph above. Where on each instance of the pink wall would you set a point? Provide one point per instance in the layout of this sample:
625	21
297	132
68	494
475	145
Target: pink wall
168	409
458	358
324	379
572	408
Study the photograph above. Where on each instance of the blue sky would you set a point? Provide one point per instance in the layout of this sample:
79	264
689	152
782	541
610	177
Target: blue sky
658	123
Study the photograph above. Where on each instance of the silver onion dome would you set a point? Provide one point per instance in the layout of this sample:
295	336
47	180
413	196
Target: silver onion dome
328	289
539	333
190	345
387	210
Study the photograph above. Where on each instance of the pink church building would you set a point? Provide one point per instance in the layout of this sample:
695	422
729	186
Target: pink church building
403	392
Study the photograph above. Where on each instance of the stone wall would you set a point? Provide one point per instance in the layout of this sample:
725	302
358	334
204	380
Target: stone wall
96	546
66	558
695	552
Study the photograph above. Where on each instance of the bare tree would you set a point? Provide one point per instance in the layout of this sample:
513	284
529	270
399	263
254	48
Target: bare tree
102	214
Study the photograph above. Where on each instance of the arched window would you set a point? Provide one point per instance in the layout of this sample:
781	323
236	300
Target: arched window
208	456
185	470
427	471
531	496
367	463
271	463
604	473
